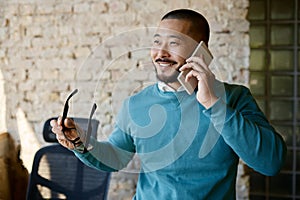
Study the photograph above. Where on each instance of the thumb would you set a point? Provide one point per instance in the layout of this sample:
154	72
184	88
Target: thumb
69	123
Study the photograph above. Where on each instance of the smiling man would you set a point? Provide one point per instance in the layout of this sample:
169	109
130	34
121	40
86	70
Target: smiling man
174	42
189	145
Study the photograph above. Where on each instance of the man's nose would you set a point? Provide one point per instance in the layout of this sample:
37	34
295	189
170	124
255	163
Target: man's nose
163	51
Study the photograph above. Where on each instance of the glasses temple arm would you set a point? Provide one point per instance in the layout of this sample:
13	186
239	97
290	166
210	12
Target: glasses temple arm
89	128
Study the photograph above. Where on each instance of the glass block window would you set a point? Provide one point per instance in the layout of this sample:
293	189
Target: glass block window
275	83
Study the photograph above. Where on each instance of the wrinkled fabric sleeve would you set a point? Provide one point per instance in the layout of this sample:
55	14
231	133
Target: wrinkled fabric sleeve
111	155
247	131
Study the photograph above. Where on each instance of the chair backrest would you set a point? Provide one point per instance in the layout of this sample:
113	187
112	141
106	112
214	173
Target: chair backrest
58	174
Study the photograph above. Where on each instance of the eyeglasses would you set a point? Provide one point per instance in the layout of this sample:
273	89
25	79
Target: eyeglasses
77	142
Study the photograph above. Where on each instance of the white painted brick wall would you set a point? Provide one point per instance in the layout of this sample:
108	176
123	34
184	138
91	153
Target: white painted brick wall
44	43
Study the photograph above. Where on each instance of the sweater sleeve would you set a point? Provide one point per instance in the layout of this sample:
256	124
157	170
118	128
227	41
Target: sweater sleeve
111	155
114	154
246	130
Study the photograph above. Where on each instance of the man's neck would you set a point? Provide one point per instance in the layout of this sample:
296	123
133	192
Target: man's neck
174	85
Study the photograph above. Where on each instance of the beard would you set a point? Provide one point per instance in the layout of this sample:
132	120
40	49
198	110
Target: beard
167	79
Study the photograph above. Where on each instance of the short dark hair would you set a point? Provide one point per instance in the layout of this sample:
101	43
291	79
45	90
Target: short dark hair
198	21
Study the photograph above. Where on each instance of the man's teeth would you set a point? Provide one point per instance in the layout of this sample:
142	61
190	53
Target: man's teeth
165	64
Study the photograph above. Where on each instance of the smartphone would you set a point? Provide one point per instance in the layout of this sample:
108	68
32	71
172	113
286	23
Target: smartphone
190	85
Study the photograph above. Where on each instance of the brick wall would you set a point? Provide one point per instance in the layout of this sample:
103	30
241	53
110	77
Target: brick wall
49	47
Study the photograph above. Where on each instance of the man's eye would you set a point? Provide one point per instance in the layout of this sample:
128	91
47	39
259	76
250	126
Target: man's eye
156	42
173	43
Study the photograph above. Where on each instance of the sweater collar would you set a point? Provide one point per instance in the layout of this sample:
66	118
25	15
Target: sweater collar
166	88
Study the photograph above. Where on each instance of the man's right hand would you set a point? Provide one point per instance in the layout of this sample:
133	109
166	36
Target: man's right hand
70	131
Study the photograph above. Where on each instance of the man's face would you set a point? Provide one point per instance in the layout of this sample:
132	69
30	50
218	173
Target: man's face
172	45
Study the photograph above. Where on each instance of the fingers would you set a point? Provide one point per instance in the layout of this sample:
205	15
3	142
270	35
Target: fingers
65	143
199	61
197	68
195	63
198	72
193	73
69	123
59	119
57	129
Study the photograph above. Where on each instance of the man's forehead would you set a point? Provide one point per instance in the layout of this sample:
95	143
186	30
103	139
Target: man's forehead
172	34
175	28
169	33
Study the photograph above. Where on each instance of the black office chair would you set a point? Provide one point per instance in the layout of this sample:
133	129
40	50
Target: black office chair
58	174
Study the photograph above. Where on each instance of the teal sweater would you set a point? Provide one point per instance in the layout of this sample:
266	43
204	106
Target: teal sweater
185	150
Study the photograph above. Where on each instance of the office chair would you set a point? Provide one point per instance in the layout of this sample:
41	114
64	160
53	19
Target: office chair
58	174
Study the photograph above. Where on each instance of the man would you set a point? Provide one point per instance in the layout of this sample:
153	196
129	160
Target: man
189	145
